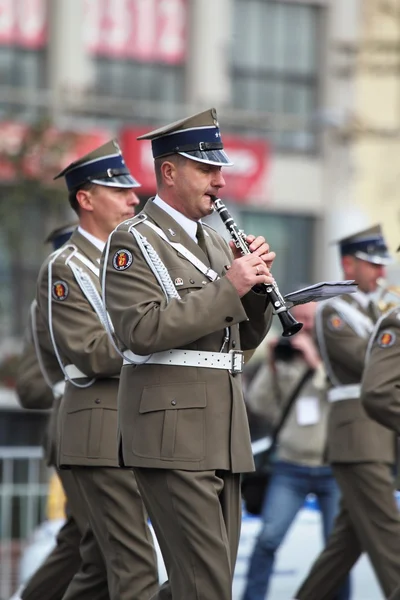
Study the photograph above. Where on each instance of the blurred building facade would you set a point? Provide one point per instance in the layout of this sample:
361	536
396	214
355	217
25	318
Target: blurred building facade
306	93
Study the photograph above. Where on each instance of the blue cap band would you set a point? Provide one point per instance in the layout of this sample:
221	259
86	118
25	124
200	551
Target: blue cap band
102	168
188	140
370	245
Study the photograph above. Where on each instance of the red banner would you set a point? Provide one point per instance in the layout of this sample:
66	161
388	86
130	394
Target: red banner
142	30
23	23
246	181
46	153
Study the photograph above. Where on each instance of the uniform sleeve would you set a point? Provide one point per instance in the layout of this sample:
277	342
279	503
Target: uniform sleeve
32	390
345	347
78	332
380	390
259	313
143	318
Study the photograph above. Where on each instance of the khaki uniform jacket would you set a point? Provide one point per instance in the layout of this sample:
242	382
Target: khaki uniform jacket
178	417
34	392
380	392
352	435
88	415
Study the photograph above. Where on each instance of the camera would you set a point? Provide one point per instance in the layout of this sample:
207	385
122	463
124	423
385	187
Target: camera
285	351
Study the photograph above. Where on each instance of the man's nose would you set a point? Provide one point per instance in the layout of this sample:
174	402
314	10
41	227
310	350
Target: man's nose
133	199
219	180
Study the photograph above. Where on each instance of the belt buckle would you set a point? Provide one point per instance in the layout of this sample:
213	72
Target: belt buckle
237	362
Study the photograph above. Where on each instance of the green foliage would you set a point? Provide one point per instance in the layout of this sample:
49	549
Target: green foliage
33	163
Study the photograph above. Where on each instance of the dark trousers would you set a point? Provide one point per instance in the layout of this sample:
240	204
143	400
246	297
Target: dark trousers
196	516
118	521
75	546
368	521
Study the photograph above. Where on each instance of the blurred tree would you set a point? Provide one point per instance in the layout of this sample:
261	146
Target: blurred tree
31	205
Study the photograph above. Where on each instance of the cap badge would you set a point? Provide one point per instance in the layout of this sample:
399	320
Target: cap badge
122	259
60	290
178	281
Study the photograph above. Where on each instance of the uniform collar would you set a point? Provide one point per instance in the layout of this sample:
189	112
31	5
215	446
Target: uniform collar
99	244
85	246
187	224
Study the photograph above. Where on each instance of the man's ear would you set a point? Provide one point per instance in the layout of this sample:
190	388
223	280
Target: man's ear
168	172
85	199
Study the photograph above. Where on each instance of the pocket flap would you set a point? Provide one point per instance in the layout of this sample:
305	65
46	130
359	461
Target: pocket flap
102	395
186	279
173	397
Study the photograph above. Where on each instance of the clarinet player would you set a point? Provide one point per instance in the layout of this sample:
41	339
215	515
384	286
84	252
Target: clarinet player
183	318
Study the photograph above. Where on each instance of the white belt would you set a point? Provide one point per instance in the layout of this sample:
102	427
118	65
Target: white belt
230	361
58	389
74	373
344	392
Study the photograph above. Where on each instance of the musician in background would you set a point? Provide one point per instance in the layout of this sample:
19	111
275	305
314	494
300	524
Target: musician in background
292	373
361	451
380	387
182	417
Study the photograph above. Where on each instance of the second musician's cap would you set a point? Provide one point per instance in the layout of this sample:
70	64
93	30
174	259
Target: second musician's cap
58	236
197	137
104	166
368	244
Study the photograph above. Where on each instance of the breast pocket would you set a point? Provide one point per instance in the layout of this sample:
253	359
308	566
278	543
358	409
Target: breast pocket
171	422
187	280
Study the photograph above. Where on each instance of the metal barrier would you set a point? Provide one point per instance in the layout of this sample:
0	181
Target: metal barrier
23	495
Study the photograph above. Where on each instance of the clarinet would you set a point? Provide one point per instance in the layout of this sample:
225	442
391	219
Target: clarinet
289	324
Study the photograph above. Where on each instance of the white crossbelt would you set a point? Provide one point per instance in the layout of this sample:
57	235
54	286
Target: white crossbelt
58	389
344	392
231	361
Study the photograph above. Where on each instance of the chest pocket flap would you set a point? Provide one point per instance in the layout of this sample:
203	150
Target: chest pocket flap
173	397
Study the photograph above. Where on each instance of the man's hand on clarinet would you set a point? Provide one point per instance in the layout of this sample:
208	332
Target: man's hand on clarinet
258	246
247	271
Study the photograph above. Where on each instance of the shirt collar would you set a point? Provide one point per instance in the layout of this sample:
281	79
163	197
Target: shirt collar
99	244
187	224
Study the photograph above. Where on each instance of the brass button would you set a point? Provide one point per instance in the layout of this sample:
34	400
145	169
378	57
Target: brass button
173	402
229	319
191	280
97	401
233	343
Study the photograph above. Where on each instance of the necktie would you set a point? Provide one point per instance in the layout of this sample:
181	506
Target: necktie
201	239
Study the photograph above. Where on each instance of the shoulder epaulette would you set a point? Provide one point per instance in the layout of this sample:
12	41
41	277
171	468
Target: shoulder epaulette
63	253
129	223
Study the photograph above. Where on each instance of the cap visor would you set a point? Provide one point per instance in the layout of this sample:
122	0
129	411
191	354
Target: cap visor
376	259
122	181
210	157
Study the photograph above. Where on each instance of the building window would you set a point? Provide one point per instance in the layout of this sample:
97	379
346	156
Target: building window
22	68
291	237
139	81
275	66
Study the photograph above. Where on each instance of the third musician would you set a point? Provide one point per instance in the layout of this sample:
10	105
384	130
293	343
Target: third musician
361	451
